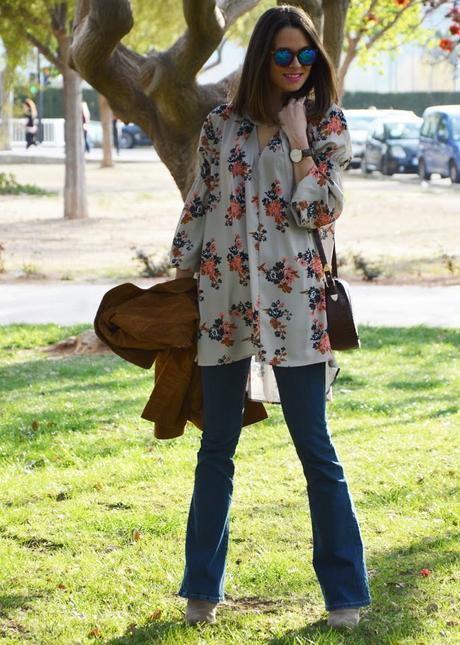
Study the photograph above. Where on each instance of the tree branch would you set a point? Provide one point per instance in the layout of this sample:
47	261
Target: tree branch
43	49
111	68
218	59
100	27
233	9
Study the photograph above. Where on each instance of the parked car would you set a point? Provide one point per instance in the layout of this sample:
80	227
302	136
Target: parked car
392	145
439	148
132	135
359	123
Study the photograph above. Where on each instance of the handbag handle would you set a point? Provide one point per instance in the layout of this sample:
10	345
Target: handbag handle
330	272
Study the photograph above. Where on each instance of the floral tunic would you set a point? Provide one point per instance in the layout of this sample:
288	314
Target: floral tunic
249	236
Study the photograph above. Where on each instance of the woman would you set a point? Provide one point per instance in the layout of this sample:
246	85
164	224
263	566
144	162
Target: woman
30	112
269	173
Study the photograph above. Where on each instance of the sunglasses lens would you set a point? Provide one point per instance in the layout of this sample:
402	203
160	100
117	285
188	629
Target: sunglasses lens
283	57
307	56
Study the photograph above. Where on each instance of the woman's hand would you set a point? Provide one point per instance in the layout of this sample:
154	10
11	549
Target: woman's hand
293	120
180	273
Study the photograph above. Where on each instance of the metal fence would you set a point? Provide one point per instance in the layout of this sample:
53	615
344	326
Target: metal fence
53	132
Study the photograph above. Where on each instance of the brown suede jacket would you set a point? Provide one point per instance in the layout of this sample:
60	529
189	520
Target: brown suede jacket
159	325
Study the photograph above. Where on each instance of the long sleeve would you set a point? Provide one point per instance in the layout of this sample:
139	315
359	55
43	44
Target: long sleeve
188	238
317	199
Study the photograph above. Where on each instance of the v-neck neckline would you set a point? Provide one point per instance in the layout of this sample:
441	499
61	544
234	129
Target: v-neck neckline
276	134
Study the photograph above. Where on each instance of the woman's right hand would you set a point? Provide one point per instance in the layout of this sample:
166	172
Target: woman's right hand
180	273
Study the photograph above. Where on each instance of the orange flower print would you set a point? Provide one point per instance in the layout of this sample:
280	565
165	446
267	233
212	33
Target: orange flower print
221	330
209	264
193	208
276	206
277	312
237	260
334	123
324	214
279	356
311	262
320	337
236	209
281	274
316	299
259	236
237	164
181	241
243	311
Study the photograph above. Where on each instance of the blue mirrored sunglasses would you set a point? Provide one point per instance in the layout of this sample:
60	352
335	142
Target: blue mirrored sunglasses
284	56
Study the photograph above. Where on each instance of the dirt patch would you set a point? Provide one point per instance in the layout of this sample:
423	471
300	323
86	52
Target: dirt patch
85	343
404	225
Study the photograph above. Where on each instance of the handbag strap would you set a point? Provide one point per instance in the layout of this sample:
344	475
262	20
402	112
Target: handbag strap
329	271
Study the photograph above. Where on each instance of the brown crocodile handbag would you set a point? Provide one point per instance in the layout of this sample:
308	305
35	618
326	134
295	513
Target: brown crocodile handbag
341	327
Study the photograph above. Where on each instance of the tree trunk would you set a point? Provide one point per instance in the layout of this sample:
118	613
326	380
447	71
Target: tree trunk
335	14
350	55
6	110
106	123
75	202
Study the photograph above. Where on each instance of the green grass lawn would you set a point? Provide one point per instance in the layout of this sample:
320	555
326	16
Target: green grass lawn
80	472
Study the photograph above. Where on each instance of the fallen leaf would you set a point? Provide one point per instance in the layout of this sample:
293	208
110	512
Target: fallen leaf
35	424
95	633
136	535
155	615
61	586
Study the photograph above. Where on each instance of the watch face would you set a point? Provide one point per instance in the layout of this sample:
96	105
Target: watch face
296	155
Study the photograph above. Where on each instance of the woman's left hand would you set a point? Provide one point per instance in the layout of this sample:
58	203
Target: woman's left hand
293	120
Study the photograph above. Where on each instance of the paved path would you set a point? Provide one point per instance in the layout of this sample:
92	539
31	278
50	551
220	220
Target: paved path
51	154
68	303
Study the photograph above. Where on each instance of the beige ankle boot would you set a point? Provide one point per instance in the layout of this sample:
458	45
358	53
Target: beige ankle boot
343	617
200	611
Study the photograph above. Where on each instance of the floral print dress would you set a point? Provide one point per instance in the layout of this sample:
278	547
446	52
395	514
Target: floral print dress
247	231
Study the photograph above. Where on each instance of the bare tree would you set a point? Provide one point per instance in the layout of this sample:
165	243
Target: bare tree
159	91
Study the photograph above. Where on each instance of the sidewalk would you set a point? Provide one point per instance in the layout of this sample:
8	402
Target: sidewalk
44	154
386	305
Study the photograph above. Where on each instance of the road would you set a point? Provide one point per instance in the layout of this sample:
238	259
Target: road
387	305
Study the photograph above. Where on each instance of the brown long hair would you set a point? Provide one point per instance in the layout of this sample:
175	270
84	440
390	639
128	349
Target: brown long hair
255	84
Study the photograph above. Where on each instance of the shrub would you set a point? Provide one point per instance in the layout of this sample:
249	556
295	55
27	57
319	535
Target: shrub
369	271
9	186
152	265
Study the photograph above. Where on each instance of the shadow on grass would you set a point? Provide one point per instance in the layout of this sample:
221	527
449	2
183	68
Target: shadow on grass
14	602
399	604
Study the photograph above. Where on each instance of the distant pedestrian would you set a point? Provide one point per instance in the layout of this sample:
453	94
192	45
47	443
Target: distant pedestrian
116	139
30	112
85	116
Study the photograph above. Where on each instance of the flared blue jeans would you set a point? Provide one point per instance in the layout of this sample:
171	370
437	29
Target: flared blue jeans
338	553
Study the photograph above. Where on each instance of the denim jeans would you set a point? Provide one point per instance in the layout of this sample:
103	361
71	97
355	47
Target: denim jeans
338	553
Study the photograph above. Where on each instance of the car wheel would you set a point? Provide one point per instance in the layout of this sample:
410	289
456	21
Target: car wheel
454	172
126	140
364	167
384	168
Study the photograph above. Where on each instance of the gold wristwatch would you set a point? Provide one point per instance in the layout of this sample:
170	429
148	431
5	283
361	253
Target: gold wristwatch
296	154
